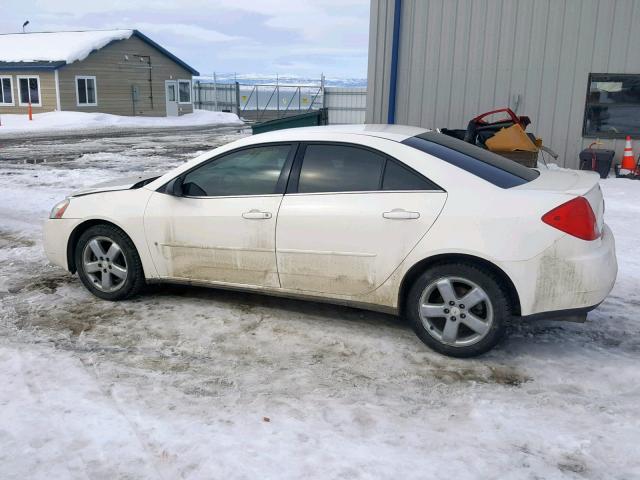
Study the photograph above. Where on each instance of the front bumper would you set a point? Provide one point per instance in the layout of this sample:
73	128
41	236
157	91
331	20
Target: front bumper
571	274
56	233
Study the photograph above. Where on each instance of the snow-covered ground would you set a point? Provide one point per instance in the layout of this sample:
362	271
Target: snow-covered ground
195	383
56	122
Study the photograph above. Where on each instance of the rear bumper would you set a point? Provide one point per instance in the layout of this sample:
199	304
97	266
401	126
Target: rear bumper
572	274
578	315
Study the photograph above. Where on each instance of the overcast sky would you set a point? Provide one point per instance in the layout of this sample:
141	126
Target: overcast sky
299	37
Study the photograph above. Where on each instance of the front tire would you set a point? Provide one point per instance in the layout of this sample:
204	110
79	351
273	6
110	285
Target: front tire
108	263
458	309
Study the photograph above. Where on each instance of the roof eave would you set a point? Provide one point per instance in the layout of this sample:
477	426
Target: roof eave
46	65
166	52
7	66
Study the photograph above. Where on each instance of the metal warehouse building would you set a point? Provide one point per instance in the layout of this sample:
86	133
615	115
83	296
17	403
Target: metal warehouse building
572	66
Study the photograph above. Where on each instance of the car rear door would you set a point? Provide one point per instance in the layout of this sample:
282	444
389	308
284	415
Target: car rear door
349	217
222	229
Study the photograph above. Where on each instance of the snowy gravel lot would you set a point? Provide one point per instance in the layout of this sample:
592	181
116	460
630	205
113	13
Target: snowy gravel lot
196	383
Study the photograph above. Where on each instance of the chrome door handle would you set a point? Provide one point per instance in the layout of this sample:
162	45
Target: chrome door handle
401	214
256	214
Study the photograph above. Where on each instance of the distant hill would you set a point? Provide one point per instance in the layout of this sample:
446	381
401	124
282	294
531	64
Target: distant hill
255	78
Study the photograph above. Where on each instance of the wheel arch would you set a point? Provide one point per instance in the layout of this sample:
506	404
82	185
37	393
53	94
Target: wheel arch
417	269
79	230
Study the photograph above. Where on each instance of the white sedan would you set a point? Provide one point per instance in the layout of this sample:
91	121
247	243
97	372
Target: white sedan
393	218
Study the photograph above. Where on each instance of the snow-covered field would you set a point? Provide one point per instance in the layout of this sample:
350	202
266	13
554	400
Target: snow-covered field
195	383
74	122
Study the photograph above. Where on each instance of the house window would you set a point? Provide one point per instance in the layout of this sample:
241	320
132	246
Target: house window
171	92
184	91
6	91
613	106
29	87
86	92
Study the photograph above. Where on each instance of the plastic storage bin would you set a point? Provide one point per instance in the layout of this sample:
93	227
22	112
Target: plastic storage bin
603	160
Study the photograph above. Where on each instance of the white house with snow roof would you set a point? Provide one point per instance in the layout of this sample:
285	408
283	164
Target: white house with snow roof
122	72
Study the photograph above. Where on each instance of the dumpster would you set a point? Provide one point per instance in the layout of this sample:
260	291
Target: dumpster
310	119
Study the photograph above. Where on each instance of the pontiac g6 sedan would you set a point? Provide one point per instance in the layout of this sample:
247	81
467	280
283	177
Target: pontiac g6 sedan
400	219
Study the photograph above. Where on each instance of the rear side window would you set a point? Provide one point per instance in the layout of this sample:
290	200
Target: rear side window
340	168
487	165
397	177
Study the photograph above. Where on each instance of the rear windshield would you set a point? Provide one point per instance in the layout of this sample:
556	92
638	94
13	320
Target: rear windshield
489	166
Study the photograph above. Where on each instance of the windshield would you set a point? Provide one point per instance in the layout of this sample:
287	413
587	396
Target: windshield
487	165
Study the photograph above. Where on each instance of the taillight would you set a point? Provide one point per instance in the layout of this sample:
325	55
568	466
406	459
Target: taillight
574	217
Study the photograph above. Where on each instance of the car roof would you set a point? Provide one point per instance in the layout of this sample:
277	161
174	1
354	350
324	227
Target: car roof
396	133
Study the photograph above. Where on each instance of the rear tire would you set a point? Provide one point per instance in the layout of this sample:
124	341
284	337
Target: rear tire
108	263
458	309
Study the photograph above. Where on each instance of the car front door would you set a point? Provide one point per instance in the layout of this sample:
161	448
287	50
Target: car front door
349	218
222	228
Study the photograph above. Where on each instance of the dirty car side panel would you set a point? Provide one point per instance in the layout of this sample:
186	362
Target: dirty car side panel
207	239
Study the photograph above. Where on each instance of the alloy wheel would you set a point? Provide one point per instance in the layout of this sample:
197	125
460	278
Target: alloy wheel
456	311
105	264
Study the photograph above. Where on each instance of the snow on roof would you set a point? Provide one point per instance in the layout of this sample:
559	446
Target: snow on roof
56	46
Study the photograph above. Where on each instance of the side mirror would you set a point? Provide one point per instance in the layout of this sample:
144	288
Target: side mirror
174	187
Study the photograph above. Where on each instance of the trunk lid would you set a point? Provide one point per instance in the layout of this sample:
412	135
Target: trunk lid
574	183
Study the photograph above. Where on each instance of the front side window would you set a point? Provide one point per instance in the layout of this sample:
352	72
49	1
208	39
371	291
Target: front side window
613	106
493	168
340	168
6	91
86	91
29	90
252	171
184	91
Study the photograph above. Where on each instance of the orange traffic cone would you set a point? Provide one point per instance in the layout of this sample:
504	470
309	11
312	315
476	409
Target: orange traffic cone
628	163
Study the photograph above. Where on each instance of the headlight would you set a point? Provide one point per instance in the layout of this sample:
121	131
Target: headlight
58	210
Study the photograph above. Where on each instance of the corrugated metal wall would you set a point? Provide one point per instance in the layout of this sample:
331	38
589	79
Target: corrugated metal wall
345	105
459	58
380	39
